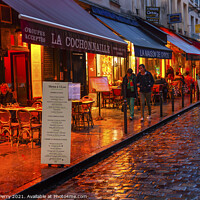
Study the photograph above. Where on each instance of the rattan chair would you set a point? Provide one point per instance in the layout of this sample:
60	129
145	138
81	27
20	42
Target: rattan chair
26	127
86	106
7	127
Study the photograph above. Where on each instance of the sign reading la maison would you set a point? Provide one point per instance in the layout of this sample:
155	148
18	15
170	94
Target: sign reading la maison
152	53
57	38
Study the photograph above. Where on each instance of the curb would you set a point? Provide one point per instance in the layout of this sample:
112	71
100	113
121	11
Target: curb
52	182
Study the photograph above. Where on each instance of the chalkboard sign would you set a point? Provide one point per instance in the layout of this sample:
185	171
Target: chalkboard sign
99	84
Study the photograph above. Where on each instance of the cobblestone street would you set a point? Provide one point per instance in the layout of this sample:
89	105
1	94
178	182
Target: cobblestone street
164	164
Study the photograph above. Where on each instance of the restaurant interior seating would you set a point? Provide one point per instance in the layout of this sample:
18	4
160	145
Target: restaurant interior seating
7	127
27	128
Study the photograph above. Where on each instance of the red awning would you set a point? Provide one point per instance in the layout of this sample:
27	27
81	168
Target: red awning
64	24
192	53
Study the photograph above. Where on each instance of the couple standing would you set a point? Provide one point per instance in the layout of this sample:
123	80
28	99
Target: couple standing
144	81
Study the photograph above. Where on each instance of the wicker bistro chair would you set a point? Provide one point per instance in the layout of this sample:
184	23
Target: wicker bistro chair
26	127
86	111
76	115
36	116
7	126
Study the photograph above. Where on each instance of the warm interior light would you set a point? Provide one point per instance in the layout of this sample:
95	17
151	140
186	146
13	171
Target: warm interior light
163	68
36	70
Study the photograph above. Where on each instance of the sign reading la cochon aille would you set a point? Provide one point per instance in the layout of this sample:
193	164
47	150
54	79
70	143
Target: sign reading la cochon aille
57	38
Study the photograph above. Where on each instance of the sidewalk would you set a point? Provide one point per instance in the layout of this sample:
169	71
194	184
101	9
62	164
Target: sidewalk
20	167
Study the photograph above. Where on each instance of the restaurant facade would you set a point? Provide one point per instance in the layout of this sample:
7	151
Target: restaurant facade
41	47
143	48
74	46
185	51
185	56
149	44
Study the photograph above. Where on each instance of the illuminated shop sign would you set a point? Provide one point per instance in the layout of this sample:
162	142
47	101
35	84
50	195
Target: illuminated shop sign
152	53
153	14
192	57
56	38
174	18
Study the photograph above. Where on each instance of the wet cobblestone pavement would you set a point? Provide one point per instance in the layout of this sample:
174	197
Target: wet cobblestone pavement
162	165
21	167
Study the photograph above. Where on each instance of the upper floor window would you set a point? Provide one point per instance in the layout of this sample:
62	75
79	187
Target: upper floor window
115	2
6	15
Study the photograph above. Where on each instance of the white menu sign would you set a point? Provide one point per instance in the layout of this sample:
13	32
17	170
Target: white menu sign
74	91
56	124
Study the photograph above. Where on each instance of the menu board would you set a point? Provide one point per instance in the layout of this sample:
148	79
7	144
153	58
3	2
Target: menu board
74	91
99	84
56	124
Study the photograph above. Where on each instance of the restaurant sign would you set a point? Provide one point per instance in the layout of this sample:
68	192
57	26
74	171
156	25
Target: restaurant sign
152	53
153	14
34	33
174	18
192	57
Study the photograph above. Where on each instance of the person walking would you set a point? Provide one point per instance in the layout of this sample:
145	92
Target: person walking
129	90
145	82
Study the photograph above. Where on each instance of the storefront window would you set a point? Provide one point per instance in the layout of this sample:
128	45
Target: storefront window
91	61
153	65
117	68
106	67
112	67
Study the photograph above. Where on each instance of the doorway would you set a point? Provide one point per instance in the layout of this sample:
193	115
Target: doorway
79	71
19	77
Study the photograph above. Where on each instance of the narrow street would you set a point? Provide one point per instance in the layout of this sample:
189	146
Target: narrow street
164	164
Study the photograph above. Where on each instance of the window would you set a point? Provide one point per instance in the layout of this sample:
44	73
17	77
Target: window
6	15
115	3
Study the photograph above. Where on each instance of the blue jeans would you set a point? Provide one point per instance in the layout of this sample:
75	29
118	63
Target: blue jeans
131	101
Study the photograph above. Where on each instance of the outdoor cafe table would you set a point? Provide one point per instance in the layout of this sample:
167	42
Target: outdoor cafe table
30	109
77	111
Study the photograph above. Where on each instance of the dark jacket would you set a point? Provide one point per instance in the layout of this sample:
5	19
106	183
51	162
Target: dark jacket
127	92
7	98
146	82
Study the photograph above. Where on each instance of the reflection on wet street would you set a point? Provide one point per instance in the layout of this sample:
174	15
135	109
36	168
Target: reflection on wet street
164	164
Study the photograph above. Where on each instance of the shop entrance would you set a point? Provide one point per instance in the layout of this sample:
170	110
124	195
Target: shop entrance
79	71
19	76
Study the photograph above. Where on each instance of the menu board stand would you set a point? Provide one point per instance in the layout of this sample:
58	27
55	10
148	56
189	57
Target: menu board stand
99	84
56	124
99	98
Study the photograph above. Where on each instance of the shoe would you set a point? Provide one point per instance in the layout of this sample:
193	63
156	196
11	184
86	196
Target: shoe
142	119
149	117
131	118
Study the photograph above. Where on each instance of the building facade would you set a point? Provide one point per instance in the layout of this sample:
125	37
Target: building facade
178	16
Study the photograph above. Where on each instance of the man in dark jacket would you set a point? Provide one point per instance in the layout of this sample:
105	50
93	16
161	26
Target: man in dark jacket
145	82
129	90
